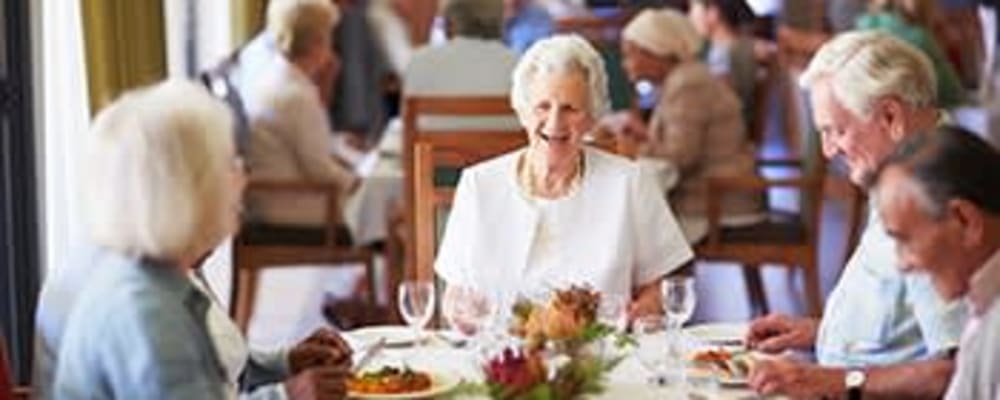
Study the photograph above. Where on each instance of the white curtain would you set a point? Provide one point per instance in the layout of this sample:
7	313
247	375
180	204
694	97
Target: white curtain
212	40
64	126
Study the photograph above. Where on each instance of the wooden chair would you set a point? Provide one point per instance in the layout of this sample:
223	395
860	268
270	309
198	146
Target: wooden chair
451	151
251	257
787	237
415	107
457	151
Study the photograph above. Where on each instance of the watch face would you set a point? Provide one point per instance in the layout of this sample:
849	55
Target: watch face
854	379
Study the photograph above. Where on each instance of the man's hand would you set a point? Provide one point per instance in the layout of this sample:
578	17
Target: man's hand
323	348
777	332
796	379
321	383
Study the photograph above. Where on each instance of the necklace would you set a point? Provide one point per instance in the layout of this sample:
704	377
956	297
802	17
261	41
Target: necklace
533	185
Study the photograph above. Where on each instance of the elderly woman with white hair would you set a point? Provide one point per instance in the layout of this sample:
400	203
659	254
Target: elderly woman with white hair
558	213
163	189
697	124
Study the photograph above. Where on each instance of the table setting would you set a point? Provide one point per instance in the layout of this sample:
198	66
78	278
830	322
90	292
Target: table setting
572	343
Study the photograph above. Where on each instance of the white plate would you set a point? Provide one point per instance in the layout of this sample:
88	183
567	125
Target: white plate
719	332
394	335
440	384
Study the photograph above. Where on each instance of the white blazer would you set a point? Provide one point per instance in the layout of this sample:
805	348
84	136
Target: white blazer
613	233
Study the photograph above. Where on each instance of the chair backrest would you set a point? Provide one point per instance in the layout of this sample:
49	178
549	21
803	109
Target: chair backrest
450	151
415	107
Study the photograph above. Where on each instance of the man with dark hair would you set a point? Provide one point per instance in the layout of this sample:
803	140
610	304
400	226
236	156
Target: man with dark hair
939	197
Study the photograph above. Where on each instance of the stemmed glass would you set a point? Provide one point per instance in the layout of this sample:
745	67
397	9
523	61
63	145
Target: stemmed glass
678	300
468	311
659	350
612	311
416	305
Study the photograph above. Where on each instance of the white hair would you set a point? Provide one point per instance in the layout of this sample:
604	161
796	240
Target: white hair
157	165
664	32
296	24
560	54
866	66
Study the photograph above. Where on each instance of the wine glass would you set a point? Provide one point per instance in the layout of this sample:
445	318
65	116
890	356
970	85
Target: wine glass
467	310
416	304
678	299
657	350
612	311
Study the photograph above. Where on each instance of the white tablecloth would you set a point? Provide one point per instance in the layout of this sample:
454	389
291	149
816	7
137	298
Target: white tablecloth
366	212
627	381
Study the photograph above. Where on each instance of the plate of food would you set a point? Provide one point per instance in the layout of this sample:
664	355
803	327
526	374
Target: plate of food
731	368
395	336
396	383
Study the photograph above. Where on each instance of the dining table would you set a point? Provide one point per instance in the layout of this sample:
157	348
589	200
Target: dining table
440	354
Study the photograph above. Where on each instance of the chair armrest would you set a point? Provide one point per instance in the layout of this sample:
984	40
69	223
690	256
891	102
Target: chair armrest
329	190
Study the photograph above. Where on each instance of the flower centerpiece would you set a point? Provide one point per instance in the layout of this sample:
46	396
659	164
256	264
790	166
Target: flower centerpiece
560	352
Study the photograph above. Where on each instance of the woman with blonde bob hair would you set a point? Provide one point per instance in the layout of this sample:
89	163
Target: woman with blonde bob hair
557	213
163	188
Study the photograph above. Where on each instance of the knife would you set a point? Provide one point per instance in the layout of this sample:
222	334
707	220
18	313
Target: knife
368	355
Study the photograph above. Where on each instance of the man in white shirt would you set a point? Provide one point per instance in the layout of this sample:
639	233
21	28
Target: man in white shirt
290	133
940	201
882	334
474	62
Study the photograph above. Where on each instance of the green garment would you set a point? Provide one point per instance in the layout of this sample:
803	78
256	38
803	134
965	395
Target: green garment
949	88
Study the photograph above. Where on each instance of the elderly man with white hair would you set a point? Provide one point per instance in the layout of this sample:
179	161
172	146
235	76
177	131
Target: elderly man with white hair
558	213
697	125
882	334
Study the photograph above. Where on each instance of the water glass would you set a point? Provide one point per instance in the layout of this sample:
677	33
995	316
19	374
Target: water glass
416	304
660	351
612	311
678	299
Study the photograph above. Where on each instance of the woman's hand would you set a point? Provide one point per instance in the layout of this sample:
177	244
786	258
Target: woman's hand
320	383
648	300
323	348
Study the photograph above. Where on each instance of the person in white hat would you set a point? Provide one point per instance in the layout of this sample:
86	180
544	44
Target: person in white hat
697	124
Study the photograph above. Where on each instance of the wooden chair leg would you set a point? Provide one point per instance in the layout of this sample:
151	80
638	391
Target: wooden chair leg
814	298
755	289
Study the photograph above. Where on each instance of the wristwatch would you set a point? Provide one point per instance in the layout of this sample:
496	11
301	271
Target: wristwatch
853	381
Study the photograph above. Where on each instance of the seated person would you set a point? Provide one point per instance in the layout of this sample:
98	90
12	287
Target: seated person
697	124
525	23
290	138
162	190
729	53
473	62
890	329
557	212
910	20
940	201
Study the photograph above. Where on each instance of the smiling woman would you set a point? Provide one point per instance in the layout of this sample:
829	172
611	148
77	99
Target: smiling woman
557	213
